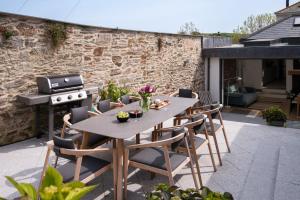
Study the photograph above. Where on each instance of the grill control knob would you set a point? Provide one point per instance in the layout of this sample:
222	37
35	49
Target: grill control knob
79	95
70	97
58	99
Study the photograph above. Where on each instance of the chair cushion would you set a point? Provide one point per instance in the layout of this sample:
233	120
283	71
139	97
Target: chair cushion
215	113
95	139
73	135
79	114
125	99
66	143
89	165
154	157
199	128
216	126
198	141
186	93
175	132
103	106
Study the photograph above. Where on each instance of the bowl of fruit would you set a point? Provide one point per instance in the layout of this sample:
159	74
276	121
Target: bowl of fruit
122	116
135	113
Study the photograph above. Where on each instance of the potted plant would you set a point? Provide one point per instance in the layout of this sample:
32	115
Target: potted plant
165	192
274	116
52	188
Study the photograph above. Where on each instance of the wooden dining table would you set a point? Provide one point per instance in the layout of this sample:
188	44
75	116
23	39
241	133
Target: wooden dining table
107	124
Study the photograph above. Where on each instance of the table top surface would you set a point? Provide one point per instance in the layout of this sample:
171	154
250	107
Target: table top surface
107	124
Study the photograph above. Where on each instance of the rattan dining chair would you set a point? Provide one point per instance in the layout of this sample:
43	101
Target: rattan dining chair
82	164
157	158
185	93
213	113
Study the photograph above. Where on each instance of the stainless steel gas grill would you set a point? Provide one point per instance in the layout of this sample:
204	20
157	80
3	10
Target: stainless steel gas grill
57	93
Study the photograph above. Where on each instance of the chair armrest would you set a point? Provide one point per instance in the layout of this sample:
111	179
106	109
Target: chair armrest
195	95
84	152
96	110
160	143
92	114
134	98
116	105
164	130
66	119
174	94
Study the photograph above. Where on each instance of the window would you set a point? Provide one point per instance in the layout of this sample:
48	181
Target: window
297	21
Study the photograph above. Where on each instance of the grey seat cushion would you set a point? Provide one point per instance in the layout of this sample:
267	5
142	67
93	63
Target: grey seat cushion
96	139
198	141
89	165
155	157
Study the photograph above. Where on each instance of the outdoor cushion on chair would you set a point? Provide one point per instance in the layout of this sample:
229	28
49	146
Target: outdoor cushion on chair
216	126
186	93
103	106
155	157
79	114
89	166
125	99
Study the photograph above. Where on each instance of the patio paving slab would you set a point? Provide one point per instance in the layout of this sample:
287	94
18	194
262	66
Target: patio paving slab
24	161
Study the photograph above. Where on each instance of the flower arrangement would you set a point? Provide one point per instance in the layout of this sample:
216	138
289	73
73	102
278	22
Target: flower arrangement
146	93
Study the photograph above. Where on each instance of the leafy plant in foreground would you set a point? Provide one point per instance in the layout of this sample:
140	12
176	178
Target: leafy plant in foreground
52	188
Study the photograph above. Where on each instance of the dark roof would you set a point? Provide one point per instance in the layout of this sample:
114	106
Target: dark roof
281	29
257	52
291	8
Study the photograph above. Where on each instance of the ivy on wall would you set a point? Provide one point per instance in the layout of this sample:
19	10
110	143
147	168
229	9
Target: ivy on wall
57	33
6	33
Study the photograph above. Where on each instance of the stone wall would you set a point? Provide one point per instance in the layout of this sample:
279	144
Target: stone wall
132	58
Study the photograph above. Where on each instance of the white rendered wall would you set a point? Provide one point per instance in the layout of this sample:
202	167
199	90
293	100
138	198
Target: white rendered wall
214	80
252	73
289	79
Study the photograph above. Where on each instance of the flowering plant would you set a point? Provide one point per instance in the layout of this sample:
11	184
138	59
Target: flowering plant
147	91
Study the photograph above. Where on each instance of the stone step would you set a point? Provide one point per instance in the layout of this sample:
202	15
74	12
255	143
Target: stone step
287	185
260	181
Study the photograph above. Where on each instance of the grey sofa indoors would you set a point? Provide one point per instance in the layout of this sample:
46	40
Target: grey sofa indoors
240	96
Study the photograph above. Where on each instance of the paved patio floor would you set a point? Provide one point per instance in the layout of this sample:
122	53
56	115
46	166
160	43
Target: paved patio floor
261	166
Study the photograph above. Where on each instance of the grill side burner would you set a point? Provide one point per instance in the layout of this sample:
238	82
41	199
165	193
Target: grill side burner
57	91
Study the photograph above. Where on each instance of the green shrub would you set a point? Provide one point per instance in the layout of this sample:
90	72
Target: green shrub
274	113
113	92
165	192
52	188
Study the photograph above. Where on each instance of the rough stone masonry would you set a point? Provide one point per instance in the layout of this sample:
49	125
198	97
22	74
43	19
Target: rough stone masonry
131	58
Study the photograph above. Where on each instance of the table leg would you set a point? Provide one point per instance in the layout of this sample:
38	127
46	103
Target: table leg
120	152
85	138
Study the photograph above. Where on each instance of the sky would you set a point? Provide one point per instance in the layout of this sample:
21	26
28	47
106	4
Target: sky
147	15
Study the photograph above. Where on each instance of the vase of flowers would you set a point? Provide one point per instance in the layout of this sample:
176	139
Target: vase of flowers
146	93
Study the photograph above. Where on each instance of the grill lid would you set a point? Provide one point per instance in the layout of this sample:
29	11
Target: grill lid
59	83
